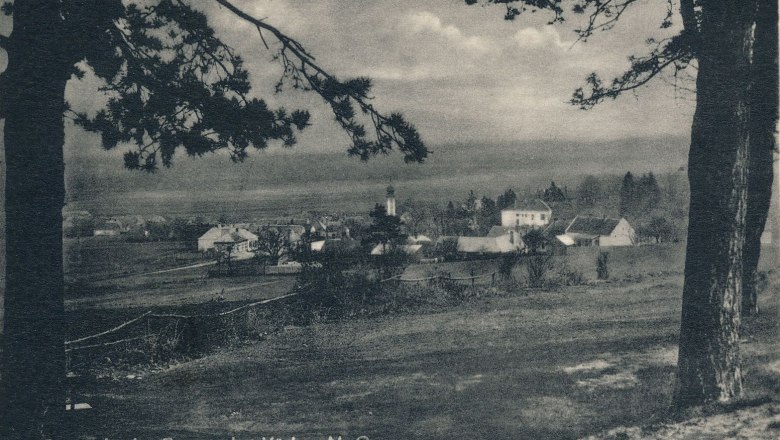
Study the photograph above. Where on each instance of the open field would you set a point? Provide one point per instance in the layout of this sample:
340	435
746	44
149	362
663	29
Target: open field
101	258
540	365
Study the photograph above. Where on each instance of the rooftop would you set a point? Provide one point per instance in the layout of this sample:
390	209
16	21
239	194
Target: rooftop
592	225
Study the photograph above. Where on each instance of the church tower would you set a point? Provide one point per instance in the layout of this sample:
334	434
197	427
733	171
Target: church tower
390	205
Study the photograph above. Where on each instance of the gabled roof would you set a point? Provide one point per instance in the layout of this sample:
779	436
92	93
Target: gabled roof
592	225
498	231
489	245
409	249
420	238
228	234
558	227
565	239
531	205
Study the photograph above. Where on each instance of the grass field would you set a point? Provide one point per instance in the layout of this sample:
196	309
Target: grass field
528	365
101	258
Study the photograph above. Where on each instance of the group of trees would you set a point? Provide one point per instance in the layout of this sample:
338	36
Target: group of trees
638	197
475	216
554	194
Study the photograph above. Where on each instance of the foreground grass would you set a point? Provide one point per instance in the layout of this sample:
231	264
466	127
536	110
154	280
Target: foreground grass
531	365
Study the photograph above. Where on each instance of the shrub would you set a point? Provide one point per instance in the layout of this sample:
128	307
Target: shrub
505	266
568	276
602	269
538	266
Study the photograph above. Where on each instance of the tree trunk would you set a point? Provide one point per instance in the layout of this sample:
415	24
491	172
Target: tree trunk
33	370
763	121
708	366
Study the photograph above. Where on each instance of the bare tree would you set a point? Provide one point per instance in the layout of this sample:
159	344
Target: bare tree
272	243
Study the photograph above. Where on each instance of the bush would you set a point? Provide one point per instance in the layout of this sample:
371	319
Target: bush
568	276
538	266
602	263
505	266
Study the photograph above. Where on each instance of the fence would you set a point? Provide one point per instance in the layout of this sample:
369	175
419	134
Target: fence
441	277
147	318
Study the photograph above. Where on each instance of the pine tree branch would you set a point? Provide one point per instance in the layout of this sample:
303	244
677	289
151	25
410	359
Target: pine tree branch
300	68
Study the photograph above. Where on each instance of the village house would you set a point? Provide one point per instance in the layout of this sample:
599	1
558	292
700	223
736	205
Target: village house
223	236
504	244
327	230
531	214
598	231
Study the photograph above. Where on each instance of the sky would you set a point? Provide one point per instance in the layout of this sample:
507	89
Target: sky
461	74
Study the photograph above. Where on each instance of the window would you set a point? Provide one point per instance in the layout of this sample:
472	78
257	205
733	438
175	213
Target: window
532	216
542	217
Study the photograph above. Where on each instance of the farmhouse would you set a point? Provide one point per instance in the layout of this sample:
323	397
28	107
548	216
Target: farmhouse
502	244
534	213
236	244
227	235
598	231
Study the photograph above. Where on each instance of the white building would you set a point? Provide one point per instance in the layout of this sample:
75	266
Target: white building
534	213
241	239
598	231
503	244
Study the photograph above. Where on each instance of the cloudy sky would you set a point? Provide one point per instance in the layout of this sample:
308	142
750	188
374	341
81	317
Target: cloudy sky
462	73
459	73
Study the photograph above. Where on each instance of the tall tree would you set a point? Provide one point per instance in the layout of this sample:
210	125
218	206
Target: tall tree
763	122
553	194
170	83
272	243
506	200
589	192
628	195
649	193
489	215
384	229
717	37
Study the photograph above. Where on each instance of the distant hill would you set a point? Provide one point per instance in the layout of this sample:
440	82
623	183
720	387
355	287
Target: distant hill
291	180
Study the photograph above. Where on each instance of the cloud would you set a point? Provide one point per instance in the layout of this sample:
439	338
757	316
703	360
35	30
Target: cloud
427	23
547	36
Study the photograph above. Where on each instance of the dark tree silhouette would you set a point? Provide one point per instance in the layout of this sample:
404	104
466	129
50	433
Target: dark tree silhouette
628	195
553	194
535	240
717	37
589	192
272	243
506	200
170	83
384	229
488	215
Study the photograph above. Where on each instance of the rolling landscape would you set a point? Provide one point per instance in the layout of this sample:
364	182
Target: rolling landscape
296	180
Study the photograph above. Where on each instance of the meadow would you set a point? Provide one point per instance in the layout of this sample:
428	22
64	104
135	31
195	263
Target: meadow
523	363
